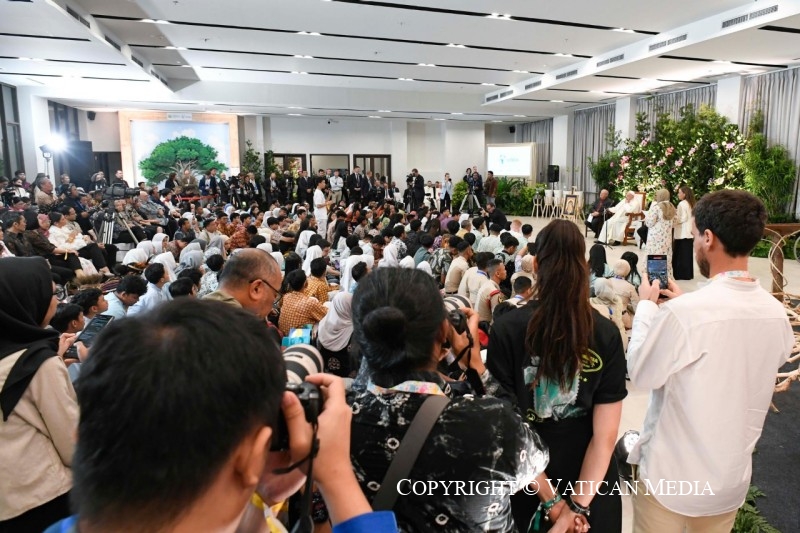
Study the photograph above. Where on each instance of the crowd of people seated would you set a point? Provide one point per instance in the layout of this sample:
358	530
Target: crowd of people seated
515	341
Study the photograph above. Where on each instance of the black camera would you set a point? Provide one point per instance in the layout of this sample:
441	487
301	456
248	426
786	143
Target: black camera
119	191
458	320
311	400
301	361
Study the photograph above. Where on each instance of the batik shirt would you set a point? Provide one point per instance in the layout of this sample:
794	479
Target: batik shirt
480	441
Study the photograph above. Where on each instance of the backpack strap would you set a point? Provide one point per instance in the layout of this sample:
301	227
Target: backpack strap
409	449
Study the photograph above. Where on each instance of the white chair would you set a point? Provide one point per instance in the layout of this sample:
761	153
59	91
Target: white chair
549	204
538	205
558	203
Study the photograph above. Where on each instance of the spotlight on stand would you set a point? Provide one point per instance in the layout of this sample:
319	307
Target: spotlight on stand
55	144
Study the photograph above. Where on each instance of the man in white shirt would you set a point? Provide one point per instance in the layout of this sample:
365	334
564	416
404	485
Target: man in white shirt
710	358
492	242
337	183
614	228
127	293
458	267
475	277
321	207
156	276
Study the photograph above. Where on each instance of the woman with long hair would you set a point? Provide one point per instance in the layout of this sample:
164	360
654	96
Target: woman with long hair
565	366
633	277
683	258
598	265
659	220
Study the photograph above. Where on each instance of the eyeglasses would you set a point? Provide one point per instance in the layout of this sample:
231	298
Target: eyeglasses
60	292
268	284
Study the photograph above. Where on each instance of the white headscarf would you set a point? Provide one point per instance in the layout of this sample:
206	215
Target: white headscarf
425	267
389	256
137	255
312	253
302	242
191	247
278	259
159	240
336	328
265	247
193	259
407	262
347	268
168	260
148	248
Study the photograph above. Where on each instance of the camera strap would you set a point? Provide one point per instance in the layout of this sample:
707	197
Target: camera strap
409	449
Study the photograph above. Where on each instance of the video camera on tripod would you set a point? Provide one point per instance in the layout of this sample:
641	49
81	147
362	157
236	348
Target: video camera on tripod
119	191
108	214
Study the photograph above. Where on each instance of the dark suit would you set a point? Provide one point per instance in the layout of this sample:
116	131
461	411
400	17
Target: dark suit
303	184
354	187
601	206
498	217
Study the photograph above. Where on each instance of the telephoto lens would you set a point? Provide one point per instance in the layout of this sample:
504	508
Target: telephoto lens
301	360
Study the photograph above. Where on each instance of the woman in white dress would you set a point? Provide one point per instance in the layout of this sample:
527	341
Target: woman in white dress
659	221
683	258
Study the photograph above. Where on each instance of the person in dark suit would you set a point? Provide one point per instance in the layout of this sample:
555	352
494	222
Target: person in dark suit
599	213
354	185
305	187
419	188
366	188
497	216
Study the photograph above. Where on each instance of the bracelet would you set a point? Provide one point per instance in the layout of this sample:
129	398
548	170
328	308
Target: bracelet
578	508
546	507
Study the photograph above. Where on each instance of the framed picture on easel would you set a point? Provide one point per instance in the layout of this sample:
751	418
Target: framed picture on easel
570	204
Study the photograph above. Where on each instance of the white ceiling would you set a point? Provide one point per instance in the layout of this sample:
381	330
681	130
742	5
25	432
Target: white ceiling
240	55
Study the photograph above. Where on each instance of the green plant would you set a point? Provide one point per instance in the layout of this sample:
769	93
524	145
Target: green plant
514	196
605	169
177	155
269	164
769	172
459	192
748	518
251	161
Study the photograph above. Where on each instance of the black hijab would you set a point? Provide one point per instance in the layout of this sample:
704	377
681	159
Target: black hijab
26	290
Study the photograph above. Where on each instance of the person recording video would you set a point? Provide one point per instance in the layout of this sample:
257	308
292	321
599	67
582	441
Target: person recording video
186	461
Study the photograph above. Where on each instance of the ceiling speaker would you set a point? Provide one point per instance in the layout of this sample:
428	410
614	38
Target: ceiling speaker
91	115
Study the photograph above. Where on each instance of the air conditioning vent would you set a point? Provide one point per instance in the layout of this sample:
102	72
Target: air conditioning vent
112	43
137	61
77	17
614	59
506	93
492	98
567	74
750	16
668	42
533	85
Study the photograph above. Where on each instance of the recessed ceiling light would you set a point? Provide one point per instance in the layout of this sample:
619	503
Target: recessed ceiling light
293	107
174	48
303	57
296	72
186	66
520	116
405	79
456	113
498	16
439	119
295	115
563	55
383	111
720	62
623	30
425	65
308	33
557	101
453	45
373	116
497	121
152	21
521	71
489	84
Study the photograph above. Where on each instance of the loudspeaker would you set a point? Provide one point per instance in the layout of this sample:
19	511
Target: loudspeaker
552	173
91	115
512	129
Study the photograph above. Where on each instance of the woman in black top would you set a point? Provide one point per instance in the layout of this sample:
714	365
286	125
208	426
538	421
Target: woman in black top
400	326
566	366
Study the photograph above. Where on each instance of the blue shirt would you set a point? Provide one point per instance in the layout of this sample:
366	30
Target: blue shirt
115	306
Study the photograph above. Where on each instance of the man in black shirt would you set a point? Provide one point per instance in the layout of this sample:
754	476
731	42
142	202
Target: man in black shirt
497	216
599	213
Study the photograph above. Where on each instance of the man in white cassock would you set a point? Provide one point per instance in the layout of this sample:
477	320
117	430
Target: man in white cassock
614	228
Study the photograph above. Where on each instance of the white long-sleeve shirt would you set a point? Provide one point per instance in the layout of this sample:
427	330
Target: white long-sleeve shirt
710	358
683	221
60	238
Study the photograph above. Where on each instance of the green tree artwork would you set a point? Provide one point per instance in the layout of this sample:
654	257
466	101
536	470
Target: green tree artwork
177	155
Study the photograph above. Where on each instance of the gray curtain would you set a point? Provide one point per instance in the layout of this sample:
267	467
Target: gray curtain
672	103
589	141
777	95
541	133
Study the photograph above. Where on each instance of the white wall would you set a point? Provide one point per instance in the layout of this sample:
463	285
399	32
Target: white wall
34	123
729	92
499	134
426	150
103	131
465	146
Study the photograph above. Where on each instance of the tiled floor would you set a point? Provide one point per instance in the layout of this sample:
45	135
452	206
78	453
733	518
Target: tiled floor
634	406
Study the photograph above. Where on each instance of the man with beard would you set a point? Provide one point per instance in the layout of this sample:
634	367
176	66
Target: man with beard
710	358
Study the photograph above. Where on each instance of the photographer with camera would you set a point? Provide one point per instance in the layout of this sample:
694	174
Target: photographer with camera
402	328
186	461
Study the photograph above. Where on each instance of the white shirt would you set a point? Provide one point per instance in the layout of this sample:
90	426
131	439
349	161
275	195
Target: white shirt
320	213
683	221
59	237
149	300
710	358
336	183
490	244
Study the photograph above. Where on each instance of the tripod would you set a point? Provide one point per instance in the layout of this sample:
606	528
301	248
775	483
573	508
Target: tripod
106	235
473	201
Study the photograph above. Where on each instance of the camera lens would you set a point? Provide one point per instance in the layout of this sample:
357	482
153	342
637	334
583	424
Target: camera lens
302	360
